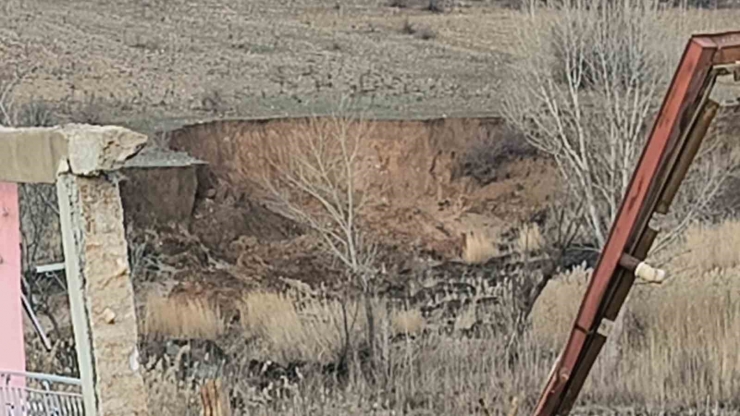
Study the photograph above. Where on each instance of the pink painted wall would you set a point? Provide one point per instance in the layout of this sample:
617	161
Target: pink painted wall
12	354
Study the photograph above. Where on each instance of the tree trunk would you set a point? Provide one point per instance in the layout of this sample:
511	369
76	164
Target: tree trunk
370	315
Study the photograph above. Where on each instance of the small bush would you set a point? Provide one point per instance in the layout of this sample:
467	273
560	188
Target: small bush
286	333
90	111
529	238
399	4
182	318
478	248
435	6
426	33
408	28
710	247
213	101
486	157
408	322
423	33
36	114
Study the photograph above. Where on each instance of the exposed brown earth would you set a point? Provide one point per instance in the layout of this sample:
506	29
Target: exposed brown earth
414	174
216	239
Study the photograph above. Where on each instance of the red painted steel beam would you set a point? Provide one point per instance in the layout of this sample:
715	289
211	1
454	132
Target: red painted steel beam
630	233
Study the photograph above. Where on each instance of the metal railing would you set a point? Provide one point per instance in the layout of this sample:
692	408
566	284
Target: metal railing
35	394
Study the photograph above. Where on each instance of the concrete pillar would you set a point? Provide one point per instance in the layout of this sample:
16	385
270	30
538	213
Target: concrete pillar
101	295
98	276
12	355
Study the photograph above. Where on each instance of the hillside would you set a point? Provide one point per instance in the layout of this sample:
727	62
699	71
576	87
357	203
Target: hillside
456	208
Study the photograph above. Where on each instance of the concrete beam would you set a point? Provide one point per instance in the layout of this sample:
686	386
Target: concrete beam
32	155
101	295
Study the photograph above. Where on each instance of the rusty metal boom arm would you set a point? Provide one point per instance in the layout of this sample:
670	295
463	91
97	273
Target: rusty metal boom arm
670	149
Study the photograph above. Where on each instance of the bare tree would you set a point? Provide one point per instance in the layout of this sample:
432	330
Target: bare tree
587	92
6	101
312	179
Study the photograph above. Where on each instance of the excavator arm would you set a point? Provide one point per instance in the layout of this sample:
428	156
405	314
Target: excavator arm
682	122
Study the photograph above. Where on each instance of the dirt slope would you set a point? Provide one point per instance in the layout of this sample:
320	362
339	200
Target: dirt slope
421	190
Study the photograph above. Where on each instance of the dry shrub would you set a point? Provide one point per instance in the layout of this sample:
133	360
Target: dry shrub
435	6
182	318
709	247
478	248
36	113
408	28
488	155
169	395
287	334
529	238
407	322
553	314
426	33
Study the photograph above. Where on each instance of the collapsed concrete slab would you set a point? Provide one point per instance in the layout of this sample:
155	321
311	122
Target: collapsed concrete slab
154	176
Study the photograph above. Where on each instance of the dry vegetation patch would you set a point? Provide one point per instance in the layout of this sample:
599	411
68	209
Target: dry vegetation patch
711	247
285	334
478	248
182	318
680	342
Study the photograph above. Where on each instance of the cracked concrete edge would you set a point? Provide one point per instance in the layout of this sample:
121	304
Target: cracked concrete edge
33	155
95	149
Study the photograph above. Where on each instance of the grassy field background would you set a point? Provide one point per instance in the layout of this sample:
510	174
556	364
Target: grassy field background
156	64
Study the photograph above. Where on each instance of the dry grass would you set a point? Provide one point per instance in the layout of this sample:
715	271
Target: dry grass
556	308
407	322
679	352
710	247
681	339
478	248
182	318
313	331
168	395
429	375
283	333
529	239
